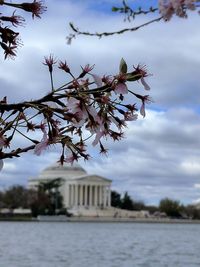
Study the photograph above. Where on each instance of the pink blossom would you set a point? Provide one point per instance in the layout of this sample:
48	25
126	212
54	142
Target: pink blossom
107	79
121	88
43	126
2	141
115	135
79	113
84	83
98	136
129	116
81	116
64	66
142	110
97	125
77	122
145	99
49	61
165	9
93	112
146	86
97	80
40	147
82	112
73	105
88	68
54	133
36	8
141	70
71	158
169	7
14	19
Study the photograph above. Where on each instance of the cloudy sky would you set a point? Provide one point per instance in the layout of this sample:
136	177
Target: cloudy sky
160	155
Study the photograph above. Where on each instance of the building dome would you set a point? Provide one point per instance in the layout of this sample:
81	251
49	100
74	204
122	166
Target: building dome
65	167
65	171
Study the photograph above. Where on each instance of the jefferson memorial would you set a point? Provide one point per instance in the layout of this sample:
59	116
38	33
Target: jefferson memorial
78	189
84	195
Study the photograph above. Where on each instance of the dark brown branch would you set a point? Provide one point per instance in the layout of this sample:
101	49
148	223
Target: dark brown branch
76	30
131	13
26	104
47	98
15	153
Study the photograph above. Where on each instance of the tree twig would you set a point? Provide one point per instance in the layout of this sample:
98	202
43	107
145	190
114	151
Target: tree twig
102	34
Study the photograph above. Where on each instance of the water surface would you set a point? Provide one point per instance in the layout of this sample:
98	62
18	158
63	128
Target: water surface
27	244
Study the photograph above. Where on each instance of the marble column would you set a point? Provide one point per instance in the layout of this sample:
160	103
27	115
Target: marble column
109	197
67	196
90	198
76	195
95	195
100	196
72	194
104	196
81	195
86	195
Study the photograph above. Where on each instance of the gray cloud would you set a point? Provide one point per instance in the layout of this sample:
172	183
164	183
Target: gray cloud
160	155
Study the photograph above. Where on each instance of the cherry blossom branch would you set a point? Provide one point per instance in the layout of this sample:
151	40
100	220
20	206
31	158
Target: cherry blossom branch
16	153
88	106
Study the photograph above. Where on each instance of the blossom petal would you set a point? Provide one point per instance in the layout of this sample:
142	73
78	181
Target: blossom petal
142	110
121	88
146	86
97	80
40	147
97	138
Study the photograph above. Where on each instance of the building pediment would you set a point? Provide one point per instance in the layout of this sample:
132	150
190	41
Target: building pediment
93	178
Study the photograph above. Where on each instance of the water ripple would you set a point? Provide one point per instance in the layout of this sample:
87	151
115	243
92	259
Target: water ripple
99	245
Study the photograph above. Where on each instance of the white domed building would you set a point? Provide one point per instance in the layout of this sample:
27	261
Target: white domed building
84	195
80	191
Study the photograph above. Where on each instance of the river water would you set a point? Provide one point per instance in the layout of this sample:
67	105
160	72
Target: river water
42	244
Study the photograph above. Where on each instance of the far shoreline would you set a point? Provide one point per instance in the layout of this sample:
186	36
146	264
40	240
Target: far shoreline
65	219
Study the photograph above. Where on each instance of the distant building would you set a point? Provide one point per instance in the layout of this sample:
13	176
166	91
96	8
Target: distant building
84	194
79	189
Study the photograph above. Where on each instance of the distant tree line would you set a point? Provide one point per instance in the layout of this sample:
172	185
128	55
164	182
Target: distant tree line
47	200
125	202
172	208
